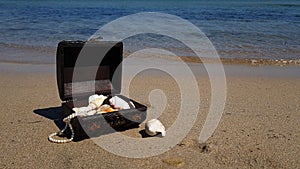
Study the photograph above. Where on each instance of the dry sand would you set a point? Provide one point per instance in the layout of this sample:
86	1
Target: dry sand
259	128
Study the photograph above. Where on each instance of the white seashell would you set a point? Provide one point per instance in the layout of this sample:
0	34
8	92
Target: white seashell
76	109
84	110
81	109
96	96
92	112
119	103
95	101
153	127
132	104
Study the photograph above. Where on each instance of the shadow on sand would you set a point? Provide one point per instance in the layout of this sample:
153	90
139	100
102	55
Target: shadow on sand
52	113
56	114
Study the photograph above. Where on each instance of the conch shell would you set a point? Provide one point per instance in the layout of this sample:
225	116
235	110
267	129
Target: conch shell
153	127
95	101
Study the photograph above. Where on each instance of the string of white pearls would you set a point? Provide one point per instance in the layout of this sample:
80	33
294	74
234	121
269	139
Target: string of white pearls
67	120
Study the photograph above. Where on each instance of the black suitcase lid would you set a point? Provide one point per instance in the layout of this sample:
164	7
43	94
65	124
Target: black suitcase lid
98	69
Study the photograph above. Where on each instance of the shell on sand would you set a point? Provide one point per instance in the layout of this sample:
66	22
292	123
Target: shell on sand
154	126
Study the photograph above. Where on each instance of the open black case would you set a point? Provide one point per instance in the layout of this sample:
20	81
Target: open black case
98	70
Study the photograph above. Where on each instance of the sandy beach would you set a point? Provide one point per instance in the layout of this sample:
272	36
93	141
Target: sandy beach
173	55
259	128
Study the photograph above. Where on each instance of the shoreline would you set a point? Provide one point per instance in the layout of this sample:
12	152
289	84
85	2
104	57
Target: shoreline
229	61
232	68
28	54
191	59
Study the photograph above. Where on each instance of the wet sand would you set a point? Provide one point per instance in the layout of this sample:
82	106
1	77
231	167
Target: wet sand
259	128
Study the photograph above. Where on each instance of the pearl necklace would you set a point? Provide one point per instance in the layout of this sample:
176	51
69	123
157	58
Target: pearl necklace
67	120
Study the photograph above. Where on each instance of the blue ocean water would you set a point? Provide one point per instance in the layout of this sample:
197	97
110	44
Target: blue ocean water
268	29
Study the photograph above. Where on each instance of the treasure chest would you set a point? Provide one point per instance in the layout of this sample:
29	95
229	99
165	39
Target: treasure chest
85	68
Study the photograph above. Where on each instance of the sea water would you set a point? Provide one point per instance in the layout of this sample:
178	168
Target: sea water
260	29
